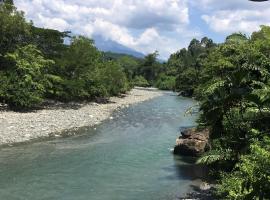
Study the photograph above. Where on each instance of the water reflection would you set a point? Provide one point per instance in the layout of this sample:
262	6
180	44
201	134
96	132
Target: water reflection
189	170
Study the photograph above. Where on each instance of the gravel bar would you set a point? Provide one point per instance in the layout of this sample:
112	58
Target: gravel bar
16	127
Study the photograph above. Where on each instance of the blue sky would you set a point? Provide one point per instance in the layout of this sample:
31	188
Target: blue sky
149	25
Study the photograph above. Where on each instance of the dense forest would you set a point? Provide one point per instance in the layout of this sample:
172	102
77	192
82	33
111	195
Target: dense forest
230	80
232	83
38	64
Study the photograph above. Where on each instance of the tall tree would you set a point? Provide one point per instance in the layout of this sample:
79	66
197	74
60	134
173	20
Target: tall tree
14	30
150	67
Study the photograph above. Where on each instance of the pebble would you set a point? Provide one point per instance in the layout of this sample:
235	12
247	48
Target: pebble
31	125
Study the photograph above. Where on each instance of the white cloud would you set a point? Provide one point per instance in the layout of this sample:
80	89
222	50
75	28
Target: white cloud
128	13
234	16
216	5
245	21
147	25
53	23
154	22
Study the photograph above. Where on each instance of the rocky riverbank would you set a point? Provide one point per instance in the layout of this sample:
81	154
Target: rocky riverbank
202	191
192	142
56	119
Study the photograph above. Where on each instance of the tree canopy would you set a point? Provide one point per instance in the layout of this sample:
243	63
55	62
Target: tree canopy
37	64
231	81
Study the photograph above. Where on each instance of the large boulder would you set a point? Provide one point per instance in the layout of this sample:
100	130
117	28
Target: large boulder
192	142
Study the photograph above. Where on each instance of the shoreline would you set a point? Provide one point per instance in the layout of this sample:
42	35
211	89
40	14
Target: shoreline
56	120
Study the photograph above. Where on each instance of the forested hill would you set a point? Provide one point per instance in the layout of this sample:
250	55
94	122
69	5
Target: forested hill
112	46
109	55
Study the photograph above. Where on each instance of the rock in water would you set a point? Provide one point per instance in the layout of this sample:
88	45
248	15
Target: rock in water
192	142
186	93
205	186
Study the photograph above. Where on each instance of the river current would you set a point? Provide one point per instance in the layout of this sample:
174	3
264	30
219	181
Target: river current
125	158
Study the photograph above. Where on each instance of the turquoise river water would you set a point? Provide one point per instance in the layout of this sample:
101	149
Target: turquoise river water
127	158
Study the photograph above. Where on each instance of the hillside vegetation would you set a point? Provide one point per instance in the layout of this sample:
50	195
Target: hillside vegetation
232	82
38	64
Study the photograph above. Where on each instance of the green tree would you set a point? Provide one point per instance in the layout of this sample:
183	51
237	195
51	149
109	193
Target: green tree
140	81
188	64
236	38
77	68
14	31
130	66
150	68
24	79
84	75
112	76
235	104
49	41
165	82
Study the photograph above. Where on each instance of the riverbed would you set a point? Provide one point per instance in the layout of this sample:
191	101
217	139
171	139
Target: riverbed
57	118
125	158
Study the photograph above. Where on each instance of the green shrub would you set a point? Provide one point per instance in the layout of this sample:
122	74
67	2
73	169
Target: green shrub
25	77
140	81
165	82
186	80
251	177
113	78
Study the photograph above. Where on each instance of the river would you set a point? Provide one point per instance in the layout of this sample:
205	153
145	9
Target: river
125	158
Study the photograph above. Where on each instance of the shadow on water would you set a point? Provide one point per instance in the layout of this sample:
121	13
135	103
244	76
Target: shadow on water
185	168
190	170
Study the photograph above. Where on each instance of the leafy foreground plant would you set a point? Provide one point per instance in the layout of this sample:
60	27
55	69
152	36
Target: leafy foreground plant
25	77
234	91
251	176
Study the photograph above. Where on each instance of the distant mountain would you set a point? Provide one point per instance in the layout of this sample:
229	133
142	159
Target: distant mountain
112	46
108	55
